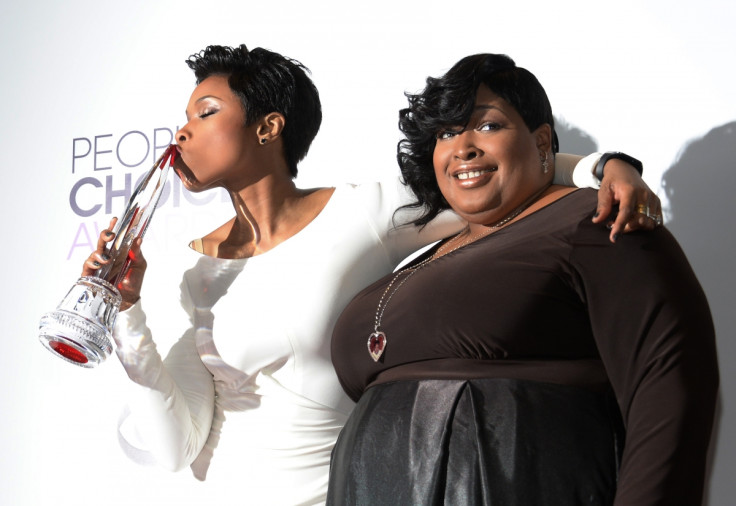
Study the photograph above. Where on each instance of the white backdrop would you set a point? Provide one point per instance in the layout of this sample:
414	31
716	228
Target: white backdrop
650	78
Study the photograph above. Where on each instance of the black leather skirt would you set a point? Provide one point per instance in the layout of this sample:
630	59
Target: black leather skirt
481	441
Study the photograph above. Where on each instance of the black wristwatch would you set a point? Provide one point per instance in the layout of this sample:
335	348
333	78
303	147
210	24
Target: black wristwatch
619	156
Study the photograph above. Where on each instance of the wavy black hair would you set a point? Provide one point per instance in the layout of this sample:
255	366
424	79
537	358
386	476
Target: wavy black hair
449	101
267	82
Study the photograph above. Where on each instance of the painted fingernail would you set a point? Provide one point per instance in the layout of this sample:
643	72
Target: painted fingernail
105	256
108	233
615	236
96	263
596	214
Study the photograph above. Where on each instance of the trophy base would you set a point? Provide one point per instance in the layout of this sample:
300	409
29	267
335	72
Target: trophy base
79	330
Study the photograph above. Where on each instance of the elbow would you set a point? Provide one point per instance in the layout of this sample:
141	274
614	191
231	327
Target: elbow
174	464
176	460
176	455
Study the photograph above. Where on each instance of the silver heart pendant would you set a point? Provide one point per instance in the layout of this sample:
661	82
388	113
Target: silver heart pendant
376	344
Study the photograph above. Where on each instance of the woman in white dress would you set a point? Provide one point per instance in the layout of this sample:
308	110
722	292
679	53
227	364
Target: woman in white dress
256	410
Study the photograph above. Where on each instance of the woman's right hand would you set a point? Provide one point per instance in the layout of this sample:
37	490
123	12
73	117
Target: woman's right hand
130	286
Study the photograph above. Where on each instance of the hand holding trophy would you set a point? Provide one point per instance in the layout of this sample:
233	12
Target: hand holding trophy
80	329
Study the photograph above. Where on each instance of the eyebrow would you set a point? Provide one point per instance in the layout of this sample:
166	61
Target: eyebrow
207	96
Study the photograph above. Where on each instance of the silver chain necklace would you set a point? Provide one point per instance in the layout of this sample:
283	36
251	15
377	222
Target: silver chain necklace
377	340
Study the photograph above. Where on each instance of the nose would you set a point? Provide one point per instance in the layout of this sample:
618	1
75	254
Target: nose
181	135
465	147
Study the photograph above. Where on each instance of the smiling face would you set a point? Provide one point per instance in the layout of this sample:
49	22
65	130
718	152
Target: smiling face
491	166
216	147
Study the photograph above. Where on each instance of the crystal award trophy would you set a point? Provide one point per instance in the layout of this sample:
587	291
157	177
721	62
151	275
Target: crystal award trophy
80	329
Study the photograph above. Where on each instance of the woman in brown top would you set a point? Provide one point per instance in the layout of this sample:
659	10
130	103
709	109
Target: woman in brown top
527	360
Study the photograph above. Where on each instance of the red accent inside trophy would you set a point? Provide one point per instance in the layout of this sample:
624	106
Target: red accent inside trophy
68	352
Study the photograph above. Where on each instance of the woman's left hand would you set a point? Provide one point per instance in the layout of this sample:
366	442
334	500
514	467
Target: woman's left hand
638	207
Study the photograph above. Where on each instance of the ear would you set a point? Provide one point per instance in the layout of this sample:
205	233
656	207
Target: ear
543	138
270	127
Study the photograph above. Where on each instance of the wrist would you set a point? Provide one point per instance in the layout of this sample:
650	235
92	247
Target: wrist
127	304
616	155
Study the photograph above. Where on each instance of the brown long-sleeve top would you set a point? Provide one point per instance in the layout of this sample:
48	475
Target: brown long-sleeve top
549	298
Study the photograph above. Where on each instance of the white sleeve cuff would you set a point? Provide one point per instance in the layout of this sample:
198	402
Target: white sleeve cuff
130	321
583	176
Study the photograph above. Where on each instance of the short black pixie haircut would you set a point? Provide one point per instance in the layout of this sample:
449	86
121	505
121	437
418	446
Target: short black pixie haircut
267	82
449	101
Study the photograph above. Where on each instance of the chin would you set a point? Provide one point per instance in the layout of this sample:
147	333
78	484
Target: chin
483	208
195	186
480	215
187	178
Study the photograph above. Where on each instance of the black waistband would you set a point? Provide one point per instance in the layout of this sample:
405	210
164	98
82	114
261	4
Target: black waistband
589	374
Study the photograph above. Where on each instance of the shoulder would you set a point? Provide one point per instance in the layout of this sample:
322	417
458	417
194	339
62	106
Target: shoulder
579	203
563	216
637	255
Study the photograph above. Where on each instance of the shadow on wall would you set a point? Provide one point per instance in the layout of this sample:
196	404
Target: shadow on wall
700	187
573	140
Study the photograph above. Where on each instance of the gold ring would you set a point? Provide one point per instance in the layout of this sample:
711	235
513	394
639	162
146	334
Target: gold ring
642	209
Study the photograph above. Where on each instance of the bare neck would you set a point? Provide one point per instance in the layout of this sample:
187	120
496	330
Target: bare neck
267	213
